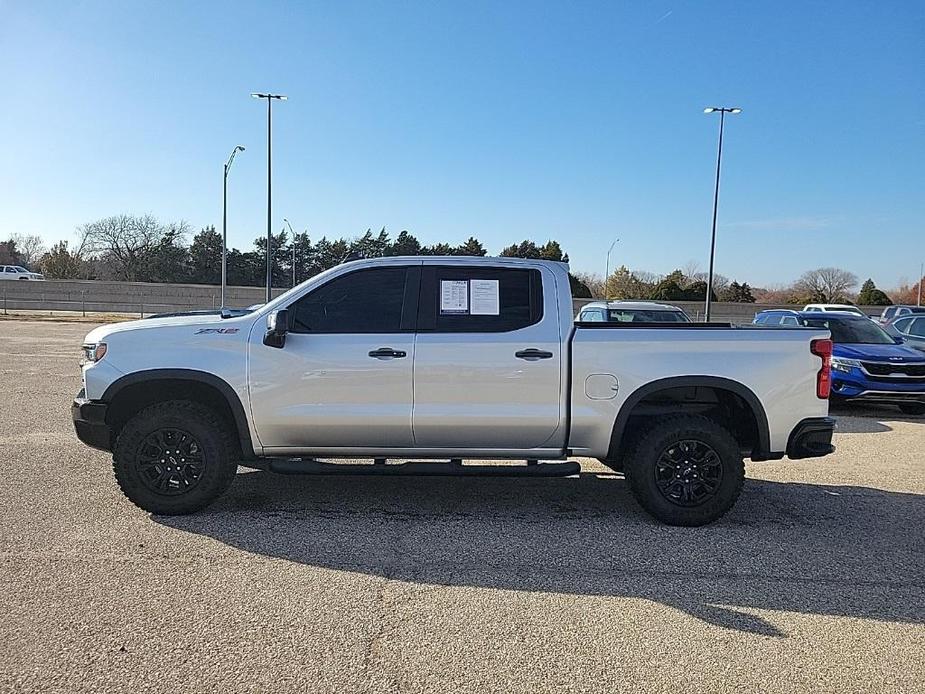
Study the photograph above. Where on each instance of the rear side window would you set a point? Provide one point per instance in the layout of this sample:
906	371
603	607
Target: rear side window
773	319
470	299
918	327
888	313
903	325
365	301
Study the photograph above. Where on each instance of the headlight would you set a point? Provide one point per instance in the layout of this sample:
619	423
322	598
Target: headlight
94	352
845	365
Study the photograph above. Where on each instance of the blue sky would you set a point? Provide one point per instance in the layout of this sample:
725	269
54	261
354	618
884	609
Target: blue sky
575	121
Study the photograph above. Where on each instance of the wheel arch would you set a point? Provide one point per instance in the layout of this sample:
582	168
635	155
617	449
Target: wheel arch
760	447
133	392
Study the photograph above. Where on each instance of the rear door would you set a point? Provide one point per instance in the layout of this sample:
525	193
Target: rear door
487	366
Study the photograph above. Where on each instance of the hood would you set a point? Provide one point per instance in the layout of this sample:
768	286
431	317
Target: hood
101	333
888	353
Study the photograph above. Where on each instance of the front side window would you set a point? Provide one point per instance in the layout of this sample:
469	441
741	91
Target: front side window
788	320
903	324
11	270
888	313
364	301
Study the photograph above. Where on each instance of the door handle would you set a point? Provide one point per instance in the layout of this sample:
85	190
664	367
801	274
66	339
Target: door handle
387	353
533	354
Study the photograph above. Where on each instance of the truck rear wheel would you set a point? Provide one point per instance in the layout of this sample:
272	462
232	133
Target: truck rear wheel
685	470
174	457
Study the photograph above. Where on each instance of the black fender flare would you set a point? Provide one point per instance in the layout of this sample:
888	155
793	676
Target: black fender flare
762	449
219	384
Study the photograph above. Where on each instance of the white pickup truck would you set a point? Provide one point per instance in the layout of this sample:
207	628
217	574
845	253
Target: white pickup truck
453	359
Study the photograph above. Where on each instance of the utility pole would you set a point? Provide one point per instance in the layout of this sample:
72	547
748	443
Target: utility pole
270	98
722	110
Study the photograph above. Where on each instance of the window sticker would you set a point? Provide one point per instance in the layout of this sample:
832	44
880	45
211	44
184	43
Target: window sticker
486	299
454	297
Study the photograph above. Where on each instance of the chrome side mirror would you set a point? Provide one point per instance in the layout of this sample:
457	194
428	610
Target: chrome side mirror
277	327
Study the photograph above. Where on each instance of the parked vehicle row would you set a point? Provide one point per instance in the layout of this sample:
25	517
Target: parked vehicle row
869	364
631	312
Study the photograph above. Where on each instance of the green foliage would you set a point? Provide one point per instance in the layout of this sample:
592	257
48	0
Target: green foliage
60	264
738	293
871	296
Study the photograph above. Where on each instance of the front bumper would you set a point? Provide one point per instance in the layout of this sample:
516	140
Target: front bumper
90	422
811	438
857	385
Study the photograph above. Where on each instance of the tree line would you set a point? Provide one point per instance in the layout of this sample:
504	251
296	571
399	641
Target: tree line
144	249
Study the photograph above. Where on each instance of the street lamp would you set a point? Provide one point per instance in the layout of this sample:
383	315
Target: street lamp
269	98
722	110
237	149
607	269
292	244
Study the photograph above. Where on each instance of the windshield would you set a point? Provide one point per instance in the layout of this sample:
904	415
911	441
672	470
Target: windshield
632	315
852	332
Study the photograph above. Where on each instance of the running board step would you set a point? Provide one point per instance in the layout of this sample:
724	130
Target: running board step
297	466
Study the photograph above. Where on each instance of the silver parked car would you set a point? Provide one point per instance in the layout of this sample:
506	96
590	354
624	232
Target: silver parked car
910	327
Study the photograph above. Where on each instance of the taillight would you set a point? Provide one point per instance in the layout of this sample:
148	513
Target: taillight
823	348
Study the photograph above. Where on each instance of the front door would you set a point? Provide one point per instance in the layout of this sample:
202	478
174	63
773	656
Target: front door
487	365
344	376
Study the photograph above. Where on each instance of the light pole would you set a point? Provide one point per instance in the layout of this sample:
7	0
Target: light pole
269	98
722	110
237	149
607	269
292	245
918	300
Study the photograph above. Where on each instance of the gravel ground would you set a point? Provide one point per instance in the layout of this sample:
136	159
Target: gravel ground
814	582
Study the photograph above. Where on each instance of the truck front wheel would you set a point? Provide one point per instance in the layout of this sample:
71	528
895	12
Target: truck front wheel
174	457
685	470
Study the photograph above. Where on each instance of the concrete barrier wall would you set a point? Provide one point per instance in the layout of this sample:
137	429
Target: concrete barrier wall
147	298
122	297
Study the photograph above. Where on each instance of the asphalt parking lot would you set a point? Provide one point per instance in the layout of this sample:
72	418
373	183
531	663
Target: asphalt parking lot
814	582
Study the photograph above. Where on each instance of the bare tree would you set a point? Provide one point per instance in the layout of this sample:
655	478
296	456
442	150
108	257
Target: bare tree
124	242
30	249
827	284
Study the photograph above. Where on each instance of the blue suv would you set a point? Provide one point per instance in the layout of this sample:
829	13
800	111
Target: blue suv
868	364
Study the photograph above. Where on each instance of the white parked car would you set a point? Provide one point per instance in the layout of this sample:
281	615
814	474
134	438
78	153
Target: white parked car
631	312
448	358
837	308
18	272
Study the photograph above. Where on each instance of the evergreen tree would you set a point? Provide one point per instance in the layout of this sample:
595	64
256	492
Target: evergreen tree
472	247
205	257
405	244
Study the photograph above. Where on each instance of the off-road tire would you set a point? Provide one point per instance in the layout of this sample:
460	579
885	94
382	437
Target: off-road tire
214	440
642	463
912	408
